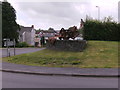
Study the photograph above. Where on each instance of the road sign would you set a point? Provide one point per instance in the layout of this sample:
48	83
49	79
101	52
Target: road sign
9	43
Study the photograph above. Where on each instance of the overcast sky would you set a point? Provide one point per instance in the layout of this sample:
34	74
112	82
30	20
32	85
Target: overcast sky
58	13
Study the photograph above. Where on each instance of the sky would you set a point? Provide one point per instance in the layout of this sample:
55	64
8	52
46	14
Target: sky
59	14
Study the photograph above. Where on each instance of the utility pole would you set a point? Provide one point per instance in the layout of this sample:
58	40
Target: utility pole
14	46
98	12
7	47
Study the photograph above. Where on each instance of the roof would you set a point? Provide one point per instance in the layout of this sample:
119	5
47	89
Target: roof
47	31
25	29
48	35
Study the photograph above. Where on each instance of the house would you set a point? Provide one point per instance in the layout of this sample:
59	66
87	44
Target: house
27	34
44	33
48	33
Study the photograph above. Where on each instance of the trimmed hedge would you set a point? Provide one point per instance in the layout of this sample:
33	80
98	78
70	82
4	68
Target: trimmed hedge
97	30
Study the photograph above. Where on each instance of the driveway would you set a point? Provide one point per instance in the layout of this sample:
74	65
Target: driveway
19	51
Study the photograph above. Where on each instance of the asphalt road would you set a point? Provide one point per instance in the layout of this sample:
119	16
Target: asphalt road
19	51
13	80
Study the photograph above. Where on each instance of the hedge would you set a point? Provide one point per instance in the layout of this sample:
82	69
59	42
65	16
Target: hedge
22	44
98	30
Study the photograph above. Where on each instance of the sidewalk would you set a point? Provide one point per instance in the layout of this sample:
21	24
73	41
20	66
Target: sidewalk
85	72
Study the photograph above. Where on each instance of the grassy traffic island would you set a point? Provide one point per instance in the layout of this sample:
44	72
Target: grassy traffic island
98	54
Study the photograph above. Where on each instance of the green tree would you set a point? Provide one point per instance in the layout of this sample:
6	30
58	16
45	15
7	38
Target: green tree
108	19
51	29
9	25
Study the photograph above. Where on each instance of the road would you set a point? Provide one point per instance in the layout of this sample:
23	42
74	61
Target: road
19	51
13	80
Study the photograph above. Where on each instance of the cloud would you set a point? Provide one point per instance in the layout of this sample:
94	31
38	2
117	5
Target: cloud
56	14
61	14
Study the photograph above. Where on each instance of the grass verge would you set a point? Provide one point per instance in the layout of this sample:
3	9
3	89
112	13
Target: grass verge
98	54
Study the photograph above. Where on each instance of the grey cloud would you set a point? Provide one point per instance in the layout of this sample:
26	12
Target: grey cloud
61	13
57	14
55	9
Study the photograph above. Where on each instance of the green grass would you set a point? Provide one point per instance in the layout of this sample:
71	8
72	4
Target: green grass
98	54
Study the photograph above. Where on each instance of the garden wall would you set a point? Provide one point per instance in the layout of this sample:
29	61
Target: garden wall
67	45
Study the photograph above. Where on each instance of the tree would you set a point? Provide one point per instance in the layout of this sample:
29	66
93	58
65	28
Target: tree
108	19
9	25
51	29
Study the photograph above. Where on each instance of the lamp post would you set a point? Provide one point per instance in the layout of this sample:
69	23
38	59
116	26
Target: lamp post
98	12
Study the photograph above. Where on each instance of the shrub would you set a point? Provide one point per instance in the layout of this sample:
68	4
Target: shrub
98	30
22	44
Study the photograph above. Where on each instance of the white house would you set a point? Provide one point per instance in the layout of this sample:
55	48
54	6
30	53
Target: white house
27	34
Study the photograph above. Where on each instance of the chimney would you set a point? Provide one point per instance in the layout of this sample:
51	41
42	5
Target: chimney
32	26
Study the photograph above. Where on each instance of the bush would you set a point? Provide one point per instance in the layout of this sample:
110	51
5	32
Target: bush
97	30
22	44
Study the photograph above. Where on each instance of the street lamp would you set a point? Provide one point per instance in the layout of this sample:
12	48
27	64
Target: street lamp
98	12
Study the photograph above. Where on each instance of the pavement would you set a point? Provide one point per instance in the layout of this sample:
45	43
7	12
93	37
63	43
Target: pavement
68	71
38	70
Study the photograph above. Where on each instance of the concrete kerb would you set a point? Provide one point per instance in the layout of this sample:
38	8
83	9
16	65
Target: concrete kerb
57	74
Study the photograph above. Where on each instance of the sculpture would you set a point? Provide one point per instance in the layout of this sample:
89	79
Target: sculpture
72	32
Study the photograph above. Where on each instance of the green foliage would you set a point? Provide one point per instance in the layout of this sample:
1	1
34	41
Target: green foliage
80	31
97	30
42	40
22	44
9	25
51	29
